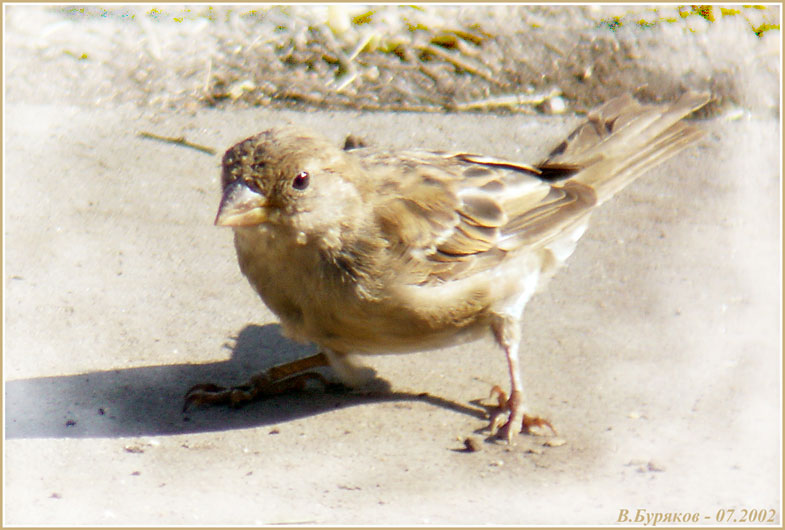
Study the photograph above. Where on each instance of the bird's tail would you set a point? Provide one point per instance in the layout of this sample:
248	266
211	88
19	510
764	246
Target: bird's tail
621	140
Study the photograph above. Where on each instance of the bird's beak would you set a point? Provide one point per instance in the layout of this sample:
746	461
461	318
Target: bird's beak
241	206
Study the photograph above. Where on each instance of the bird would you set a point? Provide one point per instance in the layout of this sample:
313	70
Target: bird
365	251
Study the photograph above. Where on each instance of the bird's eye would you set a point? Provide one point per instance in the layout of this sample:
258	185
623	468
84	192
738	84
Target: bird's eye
301	181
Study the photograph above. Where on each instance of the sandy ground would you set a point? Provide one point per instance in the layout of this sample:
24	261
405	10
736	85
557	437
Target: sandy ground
656	352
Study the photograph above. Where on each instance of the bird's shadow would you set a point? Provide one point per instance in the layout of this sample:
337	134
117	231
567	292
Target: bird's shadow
148	401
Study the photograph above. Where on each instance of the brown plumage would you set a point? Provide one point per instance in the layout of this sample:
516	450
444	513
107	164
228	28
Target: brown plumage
364	251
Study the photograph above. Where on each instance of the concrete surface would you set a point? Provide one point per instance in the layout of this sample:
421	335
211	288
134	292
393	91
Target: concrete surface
656	353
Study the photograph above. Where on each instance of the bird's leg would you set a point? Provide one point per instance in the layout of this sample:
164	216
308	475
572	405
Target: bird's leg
276	380
508	334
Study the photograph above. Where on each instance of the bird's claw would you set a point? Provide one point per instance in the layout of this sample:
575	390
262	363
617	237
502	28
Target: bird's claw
260	385
502	419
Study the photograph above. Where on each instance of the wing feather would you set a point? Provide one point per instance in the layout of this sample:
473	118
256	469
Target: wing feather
456	214
452	215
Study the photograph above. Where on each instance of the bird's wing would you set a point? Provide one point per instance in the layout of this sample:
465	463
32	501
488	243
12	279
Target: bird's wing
452	215
455	214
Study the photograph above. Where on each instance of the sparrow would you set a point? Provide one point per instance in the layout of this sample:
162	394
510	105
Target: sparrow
364	251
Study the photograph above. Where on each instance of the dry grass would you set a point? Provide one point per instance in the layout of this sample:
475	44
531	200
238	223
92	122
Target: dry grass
397	58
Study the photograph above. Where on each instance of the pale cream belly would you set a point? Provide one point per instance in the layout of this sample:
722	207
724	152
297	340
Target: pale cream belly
376	327
321	308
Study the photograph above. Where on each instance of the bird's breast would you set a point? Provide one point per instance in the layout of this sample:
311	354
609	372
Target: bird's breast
318	301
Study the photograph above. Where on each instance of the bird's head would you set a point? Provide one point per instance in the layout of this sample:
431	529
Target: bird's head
288	177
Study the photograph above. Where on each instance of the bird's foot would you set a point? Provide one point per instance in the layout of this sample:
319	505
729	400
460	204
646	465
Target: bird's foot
511	409
257	387
277	380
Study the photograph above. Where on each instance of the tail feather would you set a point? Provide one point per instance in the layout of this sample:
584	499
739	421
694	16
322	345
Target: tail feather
621	140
